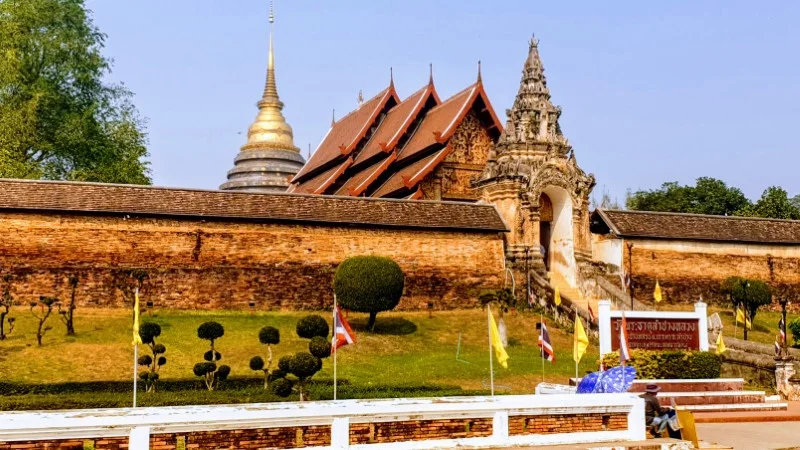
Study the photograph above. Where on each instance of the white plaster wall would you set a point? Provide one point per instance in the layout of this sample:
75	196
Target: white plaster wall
607	250
562	245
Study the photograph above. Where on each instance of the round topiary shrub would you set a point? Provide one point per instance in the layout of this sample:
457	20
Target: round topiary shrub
145	360
148	331
369	284
256	363
285	364
204	368
210	331
159	349
223	372
210	355
311	326
304	365
319	347
276	374
281	387
269	336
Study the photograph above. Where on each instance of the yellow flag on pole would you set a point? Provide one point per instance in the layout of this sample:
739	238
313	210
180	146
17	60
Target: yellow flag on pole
657	293
720	345
740	318
136	338
557	297
581	340
497	343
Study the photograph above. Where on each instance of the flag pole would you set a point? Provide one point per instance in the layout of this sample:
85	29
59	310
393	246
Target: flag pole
736	321
491	363
541	349
334	346
135	360
574	349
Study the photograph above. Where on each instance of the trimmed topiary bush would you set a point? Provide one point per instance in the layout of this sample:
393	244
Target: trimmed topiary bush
369	284
676	364
211	373
45	305
268	336
149	331
311	326
319	347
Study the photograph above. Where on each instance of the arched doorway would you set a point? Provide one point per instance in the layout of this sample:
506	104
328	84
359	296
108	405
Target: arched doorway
556	233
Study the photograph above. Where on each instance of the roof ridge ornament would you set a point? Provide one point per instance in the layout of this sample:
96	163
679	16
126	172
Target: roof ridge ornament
391	76
430	74
360	97
480	79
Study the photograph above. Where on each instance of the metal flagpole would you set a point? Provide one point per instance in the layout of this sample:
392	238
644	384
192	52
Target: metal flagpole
491	356
574	341
334	346
135	361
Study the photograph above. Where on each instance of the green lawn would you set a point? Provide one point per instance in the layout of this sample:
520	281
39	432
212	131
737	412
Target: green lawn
409	348
765	326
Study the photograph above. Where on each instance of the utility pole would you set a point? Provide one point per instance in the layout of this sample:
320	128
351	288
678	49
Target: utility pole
630	270
527	275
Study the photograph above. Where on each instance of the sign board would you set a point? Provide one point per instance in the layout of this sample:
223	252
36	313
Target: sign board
658	334
654	330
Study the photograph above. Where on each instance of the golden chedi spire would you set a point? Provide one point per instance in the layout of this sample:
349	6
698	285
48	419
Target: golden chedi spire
269	159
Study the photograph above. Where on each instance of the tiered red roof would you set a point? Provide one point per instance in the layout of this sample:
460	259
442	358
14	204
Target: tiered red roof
361	170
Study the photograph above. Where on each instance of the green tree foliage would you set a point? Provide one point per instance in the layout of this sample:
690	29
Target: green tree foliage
774	203
369	284
149	331
59	118
268	336
707	196
212	373
747	294
311	326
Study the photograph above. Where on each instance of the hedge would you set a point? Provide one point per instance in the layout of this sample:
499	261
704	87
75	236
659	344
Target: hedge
676	364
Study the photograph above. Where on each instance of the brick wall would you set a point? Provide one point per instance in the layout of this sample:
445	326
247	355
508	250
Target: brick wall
687	270
566	423
360	433
418	430
199	264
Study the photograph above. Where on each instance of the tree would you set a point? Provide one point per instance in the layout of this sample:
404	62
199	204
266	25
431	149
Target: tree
59	117
128	281
747	294
67	313
6	301
774	203
149	331
707	196
369	284
303	365
211	373
268	336
45	305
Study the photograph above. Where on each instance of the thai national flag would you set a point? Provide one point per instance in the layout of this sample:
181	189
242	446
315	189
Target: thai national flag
781	326
544	343
624	352
591	313
342	333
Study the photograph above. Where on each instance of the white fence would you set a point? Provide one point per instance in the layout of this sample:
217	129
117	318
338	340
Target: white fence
138	424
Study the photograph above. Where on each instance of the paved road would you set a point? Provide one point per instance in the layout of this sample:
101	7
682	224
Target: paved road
753	435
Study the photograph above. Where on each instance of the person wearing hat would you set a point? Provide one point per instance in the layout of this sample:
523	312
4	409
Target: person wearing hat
656	417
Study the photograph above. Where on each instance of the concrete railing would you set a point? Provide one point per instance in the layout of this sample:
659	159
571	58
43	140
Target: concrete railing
337	420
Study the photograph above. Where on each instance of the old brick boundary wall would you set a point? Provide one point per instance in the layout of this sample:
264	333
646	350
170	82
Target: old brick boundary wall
211	264
363	433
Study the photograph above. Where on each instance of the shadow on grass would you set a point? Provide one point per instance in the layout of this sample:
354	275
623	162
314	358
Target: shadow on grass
393	326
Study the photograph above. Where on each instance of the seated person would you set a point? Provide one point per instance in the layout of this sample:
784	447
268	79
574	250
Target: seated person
656	417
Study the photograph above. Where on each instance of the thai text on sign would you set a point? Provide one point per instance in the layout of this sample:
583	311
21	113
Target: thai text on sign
658	334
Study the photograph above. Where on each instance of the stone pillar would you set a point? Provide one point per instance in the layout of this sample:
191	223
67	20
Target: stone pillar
785	384
139	438
701	309
604	325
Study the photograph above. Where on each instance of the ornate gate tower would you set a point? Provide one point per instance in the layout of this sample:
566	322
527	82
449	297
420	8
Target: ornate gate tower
535	182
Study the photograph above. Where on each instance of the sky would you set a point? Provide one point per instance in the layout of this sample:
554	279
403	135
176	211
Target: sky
650	91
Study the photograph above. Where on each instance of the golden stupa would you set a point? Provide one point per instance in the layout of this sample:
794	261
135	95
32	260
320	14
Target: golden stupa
269	159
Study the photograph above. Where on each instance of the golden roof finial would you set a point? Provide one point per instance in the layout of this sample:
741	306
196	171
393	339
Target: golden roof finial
270	129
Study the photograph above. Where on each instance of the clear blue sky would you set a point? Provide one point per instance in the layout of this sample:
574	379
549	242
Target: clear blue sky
651	91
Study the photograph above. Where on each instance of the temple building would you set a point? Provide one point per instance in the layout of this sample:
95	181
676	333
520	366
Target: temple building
417	148
269	159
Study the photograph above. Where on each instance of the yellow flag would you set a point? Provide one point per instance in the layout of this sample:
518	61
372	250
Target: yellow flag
740	318
581	340
494	338
657	292
557	297
720	345
136	338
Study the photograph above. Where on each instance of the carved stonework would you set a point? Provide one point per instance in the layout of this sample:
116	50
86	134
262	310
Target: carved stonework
471	143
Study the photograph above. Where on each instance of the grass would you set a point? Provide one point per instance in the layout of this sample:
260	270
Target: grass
765	326
407	348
